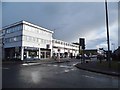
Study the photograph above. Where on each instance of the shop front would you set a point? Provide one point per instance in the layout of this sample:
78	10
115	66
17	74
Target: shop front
12	53
31	53
45	53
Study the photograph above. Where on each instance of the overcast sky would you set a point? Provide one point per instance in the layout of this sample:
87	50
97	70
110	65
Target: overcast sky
69	21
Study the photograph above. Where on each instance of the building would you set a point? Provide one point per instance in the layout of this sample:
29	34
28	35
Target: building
91	51
23	40
64	48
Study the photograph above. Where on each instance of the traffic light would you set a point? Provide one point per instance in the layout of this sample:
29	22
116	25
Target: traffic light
82	42
83	47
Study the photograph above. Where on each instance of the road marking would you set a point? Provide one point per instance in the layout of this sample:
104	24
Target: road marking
75	63
88	76
55	65
72	69
49	65
27	64
24	64
66	70
65	66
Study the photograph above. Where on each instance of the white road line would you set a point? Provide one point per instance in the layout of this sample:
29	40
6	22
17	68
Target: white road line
24	64
66	71
55	65
27	64
88	76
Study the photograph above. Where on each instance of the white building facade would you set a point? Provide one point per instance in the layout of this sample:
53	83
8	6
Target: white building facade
64	48
23	40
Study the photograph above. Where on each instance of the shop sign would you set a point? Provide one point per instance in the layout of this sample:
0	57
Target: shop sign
31	48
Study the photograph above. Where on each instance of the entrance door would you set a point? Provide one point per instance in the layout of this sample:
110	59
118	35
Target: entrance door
42	54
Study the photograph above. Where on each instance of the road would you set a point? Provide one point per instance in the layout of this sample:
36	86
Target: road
57	75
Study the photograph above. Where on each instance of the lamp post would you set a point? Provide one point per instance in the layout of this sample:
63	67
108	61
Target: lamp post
113	46
107	27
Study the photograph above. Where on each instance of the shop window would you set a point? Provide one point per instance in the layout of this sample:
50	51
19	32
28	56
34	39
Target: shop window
14	29
42	54
47	46
47	54
33	54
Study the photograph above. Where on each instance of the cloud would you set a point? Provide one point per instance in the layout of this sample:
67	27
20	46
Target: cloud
70	21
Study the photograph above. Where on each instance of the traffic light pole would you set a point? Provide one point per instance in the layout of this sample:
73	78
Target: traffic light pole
107	27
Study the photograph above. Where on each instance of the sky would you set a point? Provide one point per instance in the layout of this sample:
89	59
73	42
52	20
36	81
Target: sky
69	20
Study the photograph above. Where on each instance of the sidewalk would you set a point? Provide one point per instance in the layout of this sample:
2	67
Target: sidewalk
92	66
44	61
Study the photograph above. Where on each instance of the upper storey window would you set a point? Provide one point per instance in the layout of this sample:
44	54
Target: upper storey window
35	30
14	29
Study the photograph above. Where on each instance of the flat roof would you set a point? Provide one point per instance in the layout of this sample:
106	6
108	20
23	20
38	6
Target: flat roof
27	23
64	42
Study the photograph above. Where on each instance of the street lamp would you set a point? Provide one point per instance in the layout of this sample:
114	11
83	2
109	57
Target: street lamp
113	46
107	27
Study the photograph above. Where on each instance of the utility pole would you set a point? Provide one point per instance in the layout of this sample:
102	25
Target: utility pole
107	27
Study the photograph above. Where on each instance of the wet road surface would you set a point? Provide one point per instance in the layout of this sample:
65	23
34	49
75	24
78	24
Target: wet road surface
58	75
